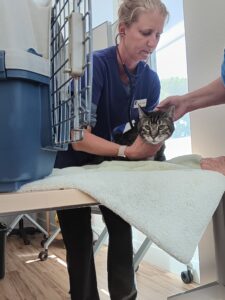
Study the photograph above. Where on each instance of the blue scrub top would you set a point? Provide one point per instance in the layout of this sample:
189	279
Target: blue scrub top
111	99
111	102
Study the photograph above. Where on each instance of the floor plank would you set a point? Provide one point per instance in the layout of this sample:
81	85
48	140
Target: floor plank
29	278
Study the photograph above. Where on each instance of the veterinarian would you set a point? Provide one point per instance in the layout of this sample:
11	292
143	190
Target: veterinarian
122	80
209	95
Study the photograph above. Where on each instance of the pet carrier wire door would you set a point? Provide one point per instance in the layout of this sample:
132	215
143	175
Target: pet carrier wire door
71	73
71	76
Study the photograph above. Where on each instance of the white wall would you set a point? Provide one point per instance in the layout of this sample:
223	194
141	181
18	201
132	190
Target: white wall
102	36
205	41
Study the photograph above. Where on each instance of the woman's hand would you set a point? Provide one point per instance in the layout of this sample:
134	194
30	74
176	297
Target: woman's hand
216	164
178	102
141	150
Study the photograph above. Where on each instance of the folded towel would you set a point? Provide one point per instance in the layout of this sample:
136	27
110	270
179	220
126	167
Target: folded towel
171	202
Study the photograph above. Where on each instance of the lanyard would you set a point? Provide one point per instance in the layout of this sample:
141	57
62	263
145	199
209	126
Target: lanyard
132	80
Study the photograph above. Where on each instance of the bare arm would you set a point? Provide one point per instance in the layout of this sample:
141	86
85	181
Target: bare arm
99	146
209	95
96	145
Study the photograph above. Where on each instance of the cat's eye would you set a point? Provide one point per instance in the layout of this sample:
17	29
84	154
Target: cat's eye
161	127
147	127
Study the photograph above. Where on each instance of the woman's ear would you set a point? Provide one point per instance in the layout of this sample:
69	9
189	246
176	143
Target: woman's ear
122	29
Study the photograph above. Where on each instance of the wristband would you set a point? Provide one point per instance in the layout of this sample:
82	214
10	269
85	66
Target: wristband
121	151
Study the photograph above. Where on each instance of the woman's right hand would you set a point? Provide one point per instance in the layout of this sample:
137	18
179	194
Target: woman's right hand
141	150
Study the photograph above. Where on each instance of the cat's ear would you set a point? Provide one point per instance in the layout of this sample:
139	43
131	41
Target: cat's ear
171	111
141	112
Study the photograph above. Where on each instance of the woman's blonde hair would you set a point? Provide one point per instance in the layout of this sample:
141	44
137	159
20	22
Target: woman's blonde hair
130	10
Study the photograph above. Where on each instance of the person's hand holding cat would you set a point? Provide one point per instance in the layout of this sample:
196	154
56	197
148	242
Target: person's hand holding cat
141	150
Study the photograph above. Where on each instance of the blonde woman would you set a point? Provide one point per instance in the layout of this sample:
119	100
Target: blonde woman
121	80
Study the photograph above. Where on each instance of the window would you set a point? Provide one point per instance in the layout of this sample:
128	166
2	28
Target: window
170	64
100	15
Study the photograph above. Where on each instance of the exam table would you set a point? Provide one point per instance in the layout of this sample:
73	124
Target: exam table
43	200
34	201
90	182
58	199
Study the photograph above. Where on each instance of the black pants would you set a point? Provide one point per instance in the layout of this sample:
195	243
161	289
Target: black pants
77	235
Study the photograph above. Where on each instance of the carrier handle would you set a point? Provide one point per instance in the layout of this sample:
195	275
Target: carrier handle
76	44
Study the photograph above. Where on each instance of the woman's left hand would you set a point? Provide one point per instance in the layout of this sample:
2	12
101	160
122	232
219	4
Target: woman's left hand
141	150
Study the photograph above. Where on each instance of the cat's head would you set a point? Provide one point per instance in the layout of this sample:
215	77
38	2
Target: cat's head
155	127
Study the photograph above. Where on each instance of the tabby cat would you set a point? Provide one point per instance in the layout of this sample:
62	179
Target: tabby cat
153	127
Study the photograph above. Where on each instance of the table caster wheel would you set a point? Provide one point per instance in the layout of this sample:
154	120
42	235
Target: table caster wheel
43	255
187	276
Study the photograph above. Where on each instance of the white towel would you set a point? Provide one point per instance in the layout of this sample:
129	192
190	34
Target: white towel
171	202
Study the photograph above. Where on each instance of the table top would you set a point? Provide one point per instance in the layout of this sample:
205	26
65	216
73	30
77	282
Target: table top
43	200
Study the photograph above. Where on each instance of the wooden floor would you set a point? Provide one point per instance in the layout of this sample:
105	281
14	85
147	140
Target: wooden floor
28	278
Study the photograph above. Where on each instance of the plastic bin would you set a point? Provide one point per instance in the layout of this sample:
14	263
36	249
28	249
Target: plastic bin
25	119
3	230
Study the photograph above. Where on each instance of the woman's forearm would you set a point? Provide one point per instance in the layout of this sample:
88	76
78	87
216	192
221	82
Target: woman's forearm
209	95
96	145
99	146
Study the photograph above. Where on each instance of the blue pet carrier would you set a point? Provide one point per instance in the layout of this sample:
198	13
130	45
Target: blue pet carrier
25	124
37	110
